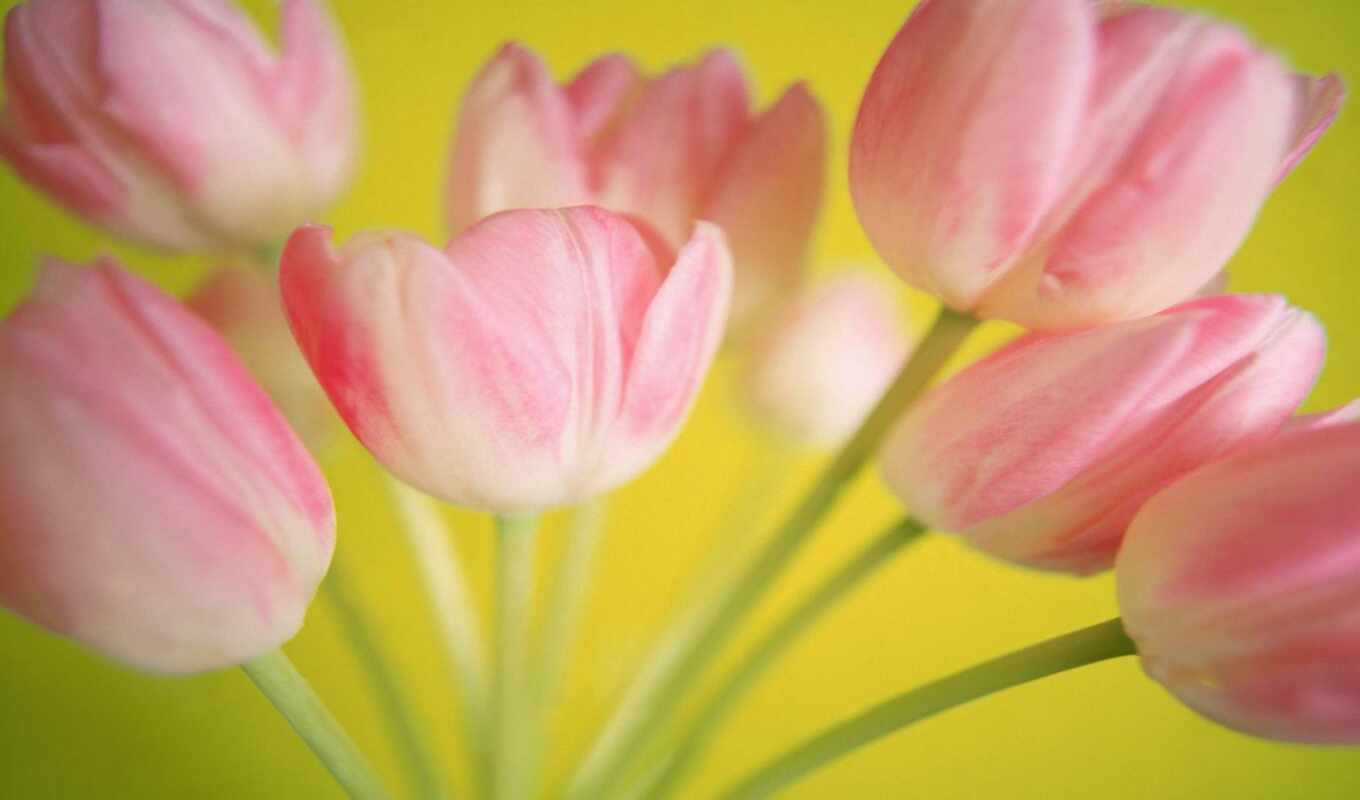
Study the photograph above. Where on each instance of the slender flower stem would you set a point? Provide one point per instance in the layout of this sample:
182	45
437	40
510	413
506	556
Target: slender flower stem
633	723
515	542
290	693
447	589
700	732
386	684
1079	648
585	527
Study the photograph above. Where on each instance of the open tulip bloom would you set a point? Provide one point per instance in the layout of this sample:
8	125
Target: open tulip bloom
1085	169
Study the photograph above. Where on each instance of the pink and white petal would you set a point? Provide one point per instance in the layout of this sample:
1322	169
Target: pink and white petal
600	93
517	145
661	160
66	172
766	200
1320	100
315	96
962	137
1177	206
1340	415
202	117
680	335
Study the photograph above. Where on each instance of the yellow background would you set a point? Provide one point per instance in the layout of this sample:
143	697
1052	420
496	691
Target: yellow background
73	726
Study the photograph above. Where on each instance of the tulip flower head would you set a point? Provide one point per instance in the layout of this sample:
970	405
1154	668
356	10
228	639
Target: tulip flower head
814	373
669	150
157	506
543	358
1041	453
1239	584
173	123
1060	164
244	306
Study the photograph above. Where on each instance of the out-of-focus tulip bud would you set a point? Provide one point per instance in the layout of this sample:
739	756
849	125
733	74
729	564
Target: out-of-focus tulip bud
815	372
544	357
172	122
244	306
668	150
1041	453
1239	585
1061	165
157	506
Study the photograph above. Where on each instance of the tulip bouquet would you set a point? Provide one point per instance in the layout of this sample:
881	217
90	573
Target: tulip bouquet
1084	169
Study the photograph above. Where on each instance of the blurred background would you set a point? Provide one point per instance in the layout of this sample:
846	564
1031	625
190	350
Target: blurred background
74	726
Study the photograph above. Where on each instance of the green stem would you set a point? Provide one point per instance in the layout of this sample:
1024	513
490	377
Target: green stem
633	723
515	542
1077	649
697	736
585	526
290	693
386	685
448	593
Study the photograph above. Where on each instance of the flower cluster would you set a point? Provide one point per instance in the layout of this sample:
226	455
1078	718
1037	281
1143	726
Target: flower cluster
1083	169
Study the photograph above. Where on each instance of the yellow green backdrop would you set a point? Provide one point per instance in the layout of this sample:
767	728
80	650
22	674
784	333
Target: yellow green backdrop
73	726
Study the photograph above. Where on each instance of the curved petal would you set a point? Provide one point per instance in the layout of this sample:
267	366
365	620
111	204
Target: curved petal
766	200
1320	100
201	527
517	144
1182	194
678	339
314	96
962	136
660	161
600	93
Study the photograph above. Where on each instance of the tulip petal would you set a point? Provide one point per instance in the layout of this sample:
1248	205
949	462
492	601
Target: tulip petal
162	510
517	144
600	92
961	138
679	336
1319	104
1169	212
314	95
658	162
767	200
1238	583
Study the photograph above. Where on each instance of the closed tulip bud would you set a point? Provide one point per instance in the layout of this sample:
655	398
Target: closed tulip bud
816	370
244	306
1239	585
668	150
1061	164
544	357
173	123
157	506
1041	453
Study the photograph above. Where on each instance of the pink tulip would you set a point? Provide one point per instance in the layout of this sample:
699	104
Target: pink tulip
815	372
1061	165
1239	584
542	358
667	150
244	306
1041	453
157	506
172	122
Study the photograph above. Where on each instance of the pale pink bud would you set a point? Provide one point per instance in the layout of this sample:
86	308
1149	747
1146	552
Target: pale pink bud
244	306
542	358
1061	165
667	150
173	123
1041	453
157	506
817	368
1240	583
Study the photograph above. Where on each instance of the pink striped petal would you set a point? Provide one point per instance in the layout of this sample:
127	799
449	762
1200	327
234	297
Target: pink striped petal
1319	102
961	139
766	200
517	145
